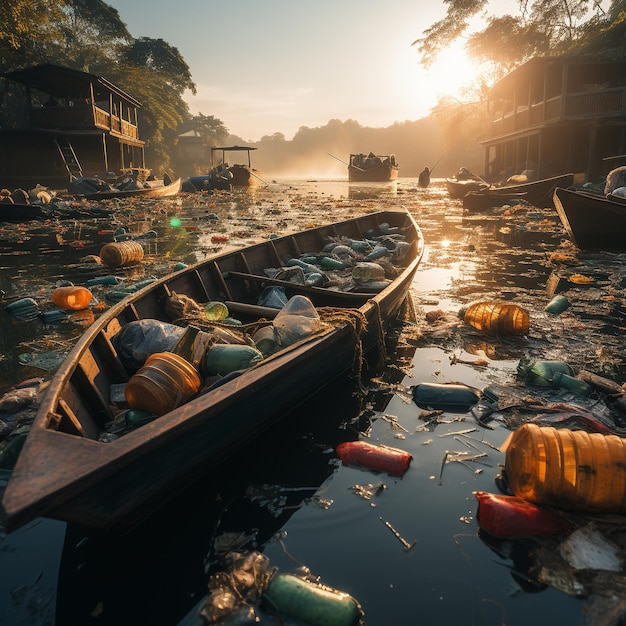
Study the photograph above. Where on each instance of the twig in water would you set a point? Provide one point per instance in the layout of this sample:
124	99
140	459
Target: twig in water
443	464
407	546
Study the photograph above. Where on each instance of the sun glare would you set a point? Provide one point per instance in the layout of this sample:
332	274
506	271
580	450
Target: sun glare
451	73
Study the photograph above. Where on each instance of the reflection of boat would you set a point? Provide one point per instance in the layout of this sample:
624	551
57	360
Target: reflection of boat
65	472
536	192
372	168
150	189
593	222
257	491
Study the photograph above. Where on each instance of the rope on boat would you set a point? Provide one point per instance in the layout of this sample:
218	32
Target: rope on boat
358	323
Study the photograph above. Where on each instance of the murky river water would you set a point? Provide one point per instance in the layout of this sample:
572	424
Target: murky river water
411	553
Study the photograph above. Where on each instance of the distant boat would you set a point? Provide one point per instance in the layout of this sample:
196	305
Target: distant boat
149	189
367	168
536	192
459	188
592	221
225	176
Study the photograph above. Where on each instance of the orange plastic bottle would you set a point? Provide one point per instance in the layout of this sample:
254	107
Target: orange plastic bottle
567	469
72	298
497	317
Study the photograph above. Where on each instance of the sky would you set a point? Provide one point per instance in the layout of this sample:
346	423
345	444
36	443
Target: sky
275	66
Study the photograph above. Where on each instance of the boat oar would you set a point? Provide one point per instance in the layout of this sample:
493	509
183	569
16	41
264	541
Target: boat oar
437	163
253	174
472	173
356	167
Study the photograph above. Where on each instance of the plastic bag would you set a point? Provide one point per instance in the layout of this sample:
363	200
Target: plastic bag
141	338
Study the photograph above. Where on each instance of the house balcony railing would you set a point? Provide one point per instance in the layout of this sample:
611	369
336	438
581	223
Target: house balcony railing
575	106
81	118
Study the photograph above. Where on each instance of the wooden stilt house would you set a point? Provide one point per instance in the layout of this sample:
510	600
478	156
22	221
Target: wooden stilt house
76	123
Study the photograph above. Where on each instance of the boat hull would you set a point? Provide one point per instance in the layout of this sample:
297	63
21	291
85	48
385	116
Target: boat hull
593	222
65	472
457	189
152	191
539	193
381	173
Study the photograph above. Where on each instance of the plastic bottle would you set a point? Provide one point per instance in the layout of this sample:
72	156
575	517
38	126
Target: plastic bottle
367	271
215	311
575	385
557	305
164	382
72	298
567	469
433	395
121	253
224	358
541	373
311	603
497	317
296	320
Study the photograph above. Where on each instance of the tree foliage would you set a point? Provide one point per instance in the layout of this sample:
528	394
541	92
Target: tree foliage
89	35
541	27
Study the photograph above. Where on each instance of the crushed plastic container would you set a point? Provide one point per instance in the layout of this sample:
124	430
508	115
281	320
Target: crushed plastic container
366	271
296	320
500	318
541	373
567	469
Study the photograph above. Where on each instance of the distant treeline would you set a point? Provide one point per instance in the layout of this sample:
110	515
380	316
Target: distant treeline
439	140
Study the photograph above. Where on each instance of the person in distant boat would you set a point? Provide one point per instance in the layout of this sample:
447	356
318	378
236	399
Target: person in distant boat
424	178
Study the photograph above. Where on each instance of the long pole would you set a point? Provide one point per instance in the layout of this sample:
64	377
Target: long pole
437	163
356	167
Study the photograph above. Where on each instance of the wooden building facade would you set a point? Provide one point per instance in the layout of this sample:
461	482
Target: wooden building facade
555	115
77	124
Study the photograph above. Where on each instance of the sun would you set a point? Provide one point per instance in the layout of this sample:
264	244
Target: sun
452	72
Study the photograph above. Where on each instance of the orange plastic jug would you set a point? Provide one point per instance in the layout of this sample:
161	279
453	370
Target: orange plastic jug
567	469
72	298
164	382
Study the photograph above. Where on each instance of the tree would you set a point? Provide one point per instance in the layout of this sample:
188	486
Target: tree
543	27
158	56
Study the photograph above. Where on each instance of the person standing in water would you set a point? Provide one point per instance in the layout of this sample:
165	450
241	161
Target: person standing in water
424	178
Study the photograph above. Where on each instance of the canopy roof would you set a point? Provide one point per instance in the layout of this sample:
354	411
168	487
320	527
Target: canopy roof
65	82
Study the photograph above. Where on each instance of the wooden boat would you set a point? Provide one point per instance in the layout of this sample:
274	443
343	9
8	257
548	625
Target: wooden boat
67	472
370	168
152	189
537	192
17	213
239	174
459	188
593	221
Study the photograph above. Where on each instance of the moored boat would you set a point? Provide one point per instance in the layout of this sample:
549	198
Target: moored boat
593	221
71	469
459	188
366	168
149	189
537	192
